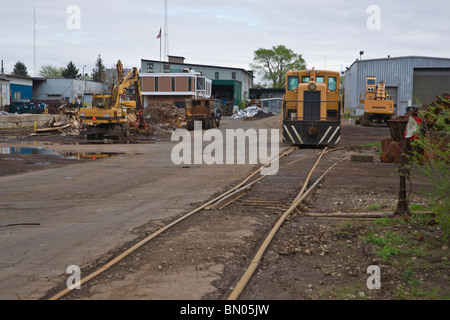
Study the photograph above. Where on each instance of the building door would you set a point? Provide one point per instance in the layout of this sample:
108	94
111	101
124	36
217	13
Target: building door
311	105
430	82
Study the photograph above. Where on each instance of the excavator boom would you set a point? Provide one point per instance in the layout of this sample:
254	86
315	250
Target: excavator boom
119	89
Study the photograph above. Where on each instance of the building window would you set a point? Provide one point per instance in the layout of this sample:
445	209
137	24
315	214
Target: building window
200	83
156	84
150	67
173	83
233	75
166	68
207	89
217	75
180	104
190	84
53	96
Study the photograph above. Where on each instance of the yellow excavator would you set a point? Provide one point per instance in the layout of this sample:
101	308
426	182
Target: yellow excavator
377	105
113	115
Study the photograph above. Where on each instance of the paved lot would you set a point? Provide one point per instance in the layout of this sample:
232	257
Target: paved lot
85	209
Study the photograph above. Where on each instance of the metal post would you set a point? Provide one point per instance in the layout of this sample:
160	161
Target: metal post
160	71
84	92
404	171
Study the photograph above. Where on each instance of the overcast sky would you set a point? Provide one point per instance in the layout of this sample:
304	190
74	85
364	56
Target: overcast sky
328	33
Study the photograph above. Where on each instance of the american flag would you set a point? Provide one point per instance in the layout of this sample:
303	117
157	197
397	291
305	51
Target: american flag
159	34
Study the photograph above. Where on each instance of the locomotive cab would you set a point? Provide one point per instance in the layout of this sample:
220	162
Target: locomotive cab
312	113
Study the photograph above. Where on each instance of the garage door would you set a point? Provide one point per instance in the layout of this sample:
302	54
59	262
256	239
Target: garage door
429	83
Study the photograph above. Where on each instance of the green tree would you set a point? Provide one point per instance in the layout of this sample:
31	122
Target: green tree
71	71
273	64
99	72
51	72
342	85
20	69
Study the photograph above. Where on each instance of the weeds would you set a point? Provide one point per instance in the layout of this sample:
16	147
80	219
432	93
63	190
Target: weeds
387	243
414	290
385	221
387	251
430	156
374	207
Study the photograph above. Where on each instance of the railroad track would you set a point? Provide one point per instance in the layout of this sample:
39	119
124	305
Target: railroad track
234	196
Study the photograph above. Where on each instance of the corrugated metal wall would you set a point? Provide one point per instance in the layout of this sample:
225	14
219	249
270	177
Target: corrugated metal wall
396	72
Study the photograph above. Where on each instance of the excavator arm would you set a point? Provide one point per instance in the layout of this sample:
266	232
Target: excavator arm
132	78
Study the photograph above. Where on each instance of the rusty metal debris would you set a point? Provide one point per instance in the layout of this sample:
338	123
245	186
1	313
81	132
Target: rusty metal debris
436	106
392	147
397	148
164	117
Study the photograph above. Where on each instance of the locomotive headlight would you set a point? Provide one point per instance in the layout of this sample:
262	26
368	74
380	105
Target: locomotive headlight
312	86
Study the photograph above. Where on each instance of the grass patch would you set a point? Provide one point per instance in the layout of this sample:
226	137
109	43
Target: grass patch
386	244
384	222
374	207
413	256
376	144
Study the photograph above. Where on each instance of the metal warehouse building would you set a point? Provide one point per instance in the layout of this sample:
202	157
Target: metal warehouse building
410	81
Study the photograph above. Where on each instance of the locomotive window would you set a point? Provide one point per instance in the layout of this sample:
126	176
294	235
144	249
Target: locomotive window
305	79
319	79
292	83
370	82
332	83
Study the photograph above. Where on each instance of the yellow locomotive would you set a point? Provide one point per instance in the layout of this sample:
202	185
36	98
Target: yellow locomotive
311	111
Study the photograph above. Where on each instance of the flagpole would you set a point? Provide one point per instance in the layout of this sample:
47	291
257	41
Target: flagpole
160	36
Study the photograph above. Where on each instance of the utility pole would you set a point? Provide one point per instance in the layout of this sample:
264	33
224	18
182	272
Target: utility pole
84	92
166	30
34	39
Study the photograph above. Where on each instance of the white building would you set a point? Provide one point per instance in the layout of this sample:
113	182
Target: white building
70	90
228	83
174	87
4	92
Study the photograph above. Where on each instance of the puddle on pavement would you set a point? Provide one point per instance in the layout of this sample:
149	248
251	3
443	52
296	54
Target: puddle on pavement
19	140
62	154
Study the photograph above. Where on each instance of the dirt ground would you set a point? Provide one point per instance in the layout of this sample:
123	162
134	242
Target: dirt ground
311	258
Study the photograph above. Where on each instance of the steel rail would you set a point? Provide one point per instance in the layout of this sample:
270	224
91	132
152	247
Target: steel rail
258	256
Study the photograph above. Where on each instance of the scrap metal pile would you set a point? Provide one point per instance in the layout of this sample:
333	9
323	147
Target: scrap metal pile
164	118
437	106
251	112
392	147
